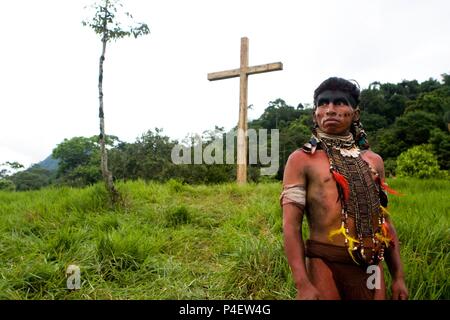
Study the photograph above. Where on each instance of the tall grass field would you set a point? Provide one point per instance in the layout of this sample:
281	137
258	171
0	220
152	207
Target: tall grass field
174	241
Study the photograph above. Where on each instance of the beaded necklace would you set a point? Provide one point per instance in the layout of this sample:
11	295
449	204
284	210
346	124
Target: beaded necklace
359	195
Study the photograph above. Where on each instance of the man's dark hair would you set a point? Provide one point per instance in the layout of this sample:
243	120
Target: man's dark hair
335	83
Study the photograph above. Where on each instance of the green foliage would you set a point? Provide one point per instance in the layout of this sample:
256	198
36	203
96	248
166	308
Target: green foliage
390	167
13	165
109	26
32	179
119	253
277	115
446	118
292	138
175	185
246	273
388	100
7	185
373	122
75	152
400	116
419	162
294	125
372	100
436	102
387	144
79	161
8	168
147	158
412	128
178	216
440	142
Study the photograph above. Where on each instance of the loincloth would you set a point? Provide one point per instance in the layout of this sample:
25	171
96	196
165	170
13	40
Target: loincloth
350	279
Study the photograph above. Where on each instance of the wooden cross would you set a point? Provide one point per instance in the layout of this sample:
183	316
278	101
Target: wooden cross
243	72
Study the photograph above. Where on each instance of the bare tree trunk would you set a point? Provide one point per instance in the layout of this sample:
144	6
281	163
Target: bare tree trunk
107	175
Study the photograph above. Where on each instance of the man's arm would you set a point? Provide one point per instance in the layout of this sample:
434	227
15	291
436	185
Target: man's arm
394	263
392	254
295	252
292	230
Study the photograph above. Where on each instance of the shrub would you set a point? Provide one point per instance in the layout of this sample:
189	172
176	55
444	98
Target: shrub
175	185
419	162
178	216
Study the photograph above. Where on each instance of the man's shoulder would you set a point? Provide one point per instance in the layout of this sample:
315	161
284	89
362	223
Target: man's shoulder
298	164
375	160
372	155
298	154
301	158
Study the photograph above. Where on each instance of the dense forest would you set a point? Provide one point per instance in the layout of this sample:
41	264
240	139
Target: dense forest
408	124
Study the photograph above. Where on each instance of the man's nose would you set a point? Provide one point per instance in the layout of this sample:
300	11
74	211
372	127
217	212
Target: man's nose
330	109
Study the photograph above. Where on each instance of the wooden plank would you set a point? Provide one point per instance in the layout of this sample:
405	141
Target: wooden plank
250	70
265	68
224	74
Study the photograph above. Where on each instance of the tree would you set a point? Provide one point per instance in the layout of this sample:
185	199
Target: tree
148	158
79	161
107	25
372	121
32	179
6	170
292	138
277	115
372	99
436	102
410	129
440	141
7	185
446	119
414	128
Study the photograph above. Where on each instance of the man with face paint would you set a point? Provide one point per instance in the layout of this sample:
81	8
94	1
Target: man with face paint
339	183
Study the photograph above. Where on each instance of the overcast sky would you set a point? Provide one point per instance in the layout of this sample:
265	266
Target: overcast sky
49	62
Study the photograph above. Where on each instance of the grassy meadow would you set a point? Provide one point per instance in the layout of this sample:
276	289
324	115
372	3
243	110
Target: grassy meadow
174	241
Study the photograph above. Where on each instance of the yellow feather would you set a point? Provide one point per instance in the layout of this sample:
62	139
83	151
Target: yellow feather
351	255
351	240
383	239
333	233
384	210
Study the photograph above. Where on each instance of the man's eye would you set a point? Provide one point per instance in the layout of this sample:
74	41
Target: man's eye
323	102
340	102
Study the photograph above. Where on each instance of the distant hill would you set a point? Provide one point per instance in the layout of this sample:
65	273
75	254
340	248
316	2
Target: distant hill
48	163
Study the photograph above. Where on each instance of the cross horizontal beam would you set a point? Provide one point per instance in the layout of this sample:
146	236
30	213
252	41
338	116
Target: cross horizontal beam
250	70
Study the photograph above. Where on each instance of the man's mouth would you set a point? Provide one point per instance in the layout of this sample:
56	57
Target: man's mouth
331	120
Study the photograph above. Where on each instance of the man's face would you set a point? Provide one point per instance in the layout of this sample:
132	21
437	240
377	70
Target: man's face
334	114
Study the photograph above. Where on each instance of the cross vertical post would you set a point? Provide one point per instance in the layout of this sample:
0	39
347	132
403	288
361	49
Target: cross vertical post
242	124
243	72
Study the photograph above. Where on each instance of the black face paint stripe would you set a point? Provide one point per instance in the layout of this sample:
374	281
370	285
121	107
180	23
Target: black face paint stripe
336	97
